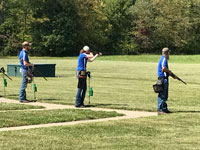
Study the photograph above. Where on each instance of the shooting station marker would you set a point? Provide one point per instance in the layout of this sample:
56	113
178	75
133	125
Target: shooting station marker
127	115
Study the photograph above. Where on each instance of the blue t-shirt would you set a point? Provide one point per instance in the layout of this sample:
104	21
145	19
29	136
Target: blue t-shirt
162	63
23	56
82	61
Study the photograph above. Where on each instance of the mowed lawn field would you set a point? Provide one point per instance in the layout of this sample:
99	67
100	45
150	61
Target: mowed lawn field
119	82
123	82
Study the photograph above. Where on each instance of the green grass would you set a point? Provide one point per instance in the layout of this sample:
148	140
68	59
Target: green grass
8	106
171	132
21	118
121	82
116	84
189	59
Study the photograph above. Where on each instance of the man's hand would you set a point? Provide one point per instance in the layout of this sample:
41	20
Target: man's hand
32	66
164	69
100	54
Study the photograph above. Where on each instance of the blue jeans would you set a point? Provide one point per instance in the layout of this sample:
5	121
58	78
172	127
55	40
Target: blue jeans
163	96
80	96
22	92
82	88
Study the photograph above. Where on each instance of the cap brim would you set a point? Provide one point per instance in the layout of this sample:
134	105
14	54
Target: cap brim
166	51
29	44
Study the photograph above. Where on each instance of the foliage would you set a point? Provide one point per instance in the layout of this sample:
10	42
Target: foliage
55	30
94	26
173	23
63	27
119	20
8	27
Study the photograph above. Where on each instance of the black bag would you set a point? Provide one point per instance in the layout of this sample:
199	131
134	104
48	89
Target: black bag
158	87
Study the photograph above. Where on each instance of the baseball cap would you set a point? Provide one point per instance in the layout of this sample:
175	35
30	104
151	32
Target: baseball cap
26	44
86	48
165	50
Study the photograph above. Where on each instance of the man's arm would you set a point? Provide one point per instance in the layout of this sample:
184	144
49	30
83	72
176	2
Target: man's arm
26	60
92	57
164	69
28	64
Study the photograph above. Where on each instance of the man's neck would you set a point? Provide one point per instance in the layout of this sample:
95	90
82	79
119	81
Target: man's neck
25	49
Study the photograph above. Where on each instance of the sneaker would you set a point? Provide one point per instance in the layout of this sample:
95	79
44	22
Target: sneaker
24	101
167	111
80	106
161	113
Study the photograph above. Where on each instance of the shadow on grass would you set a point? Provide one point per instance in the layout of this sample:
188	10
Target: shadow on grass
96	105
186	111
126	78
50	99
103	105
13	95
63	76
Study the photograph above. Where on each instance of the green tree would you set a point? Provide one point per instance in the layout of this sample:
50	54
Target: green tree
118	17
94	27
193	46
13	25
160	23
55	28
62	28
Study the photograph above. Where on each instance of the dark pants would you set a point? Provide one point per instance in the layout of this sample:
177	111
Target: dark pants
80	95
163	96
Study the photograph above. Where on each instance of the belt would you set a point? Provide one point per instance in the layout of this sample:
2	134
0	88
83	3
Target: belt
162	77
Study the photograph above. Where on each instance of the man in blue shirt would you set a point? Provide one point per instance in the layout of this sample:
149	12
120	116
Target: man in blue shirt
163	74
24	62
84	57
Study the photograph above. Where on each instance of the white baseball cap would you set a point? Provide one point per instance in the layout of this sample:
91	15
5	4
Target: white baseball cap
166	50
86	48
25	43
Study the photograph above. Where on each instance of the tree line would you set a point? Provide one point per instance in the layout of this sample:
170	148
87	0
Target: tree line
63	27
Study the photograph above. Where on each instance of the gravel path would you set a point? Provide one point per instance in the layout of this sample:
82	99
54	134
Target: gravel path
127	115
